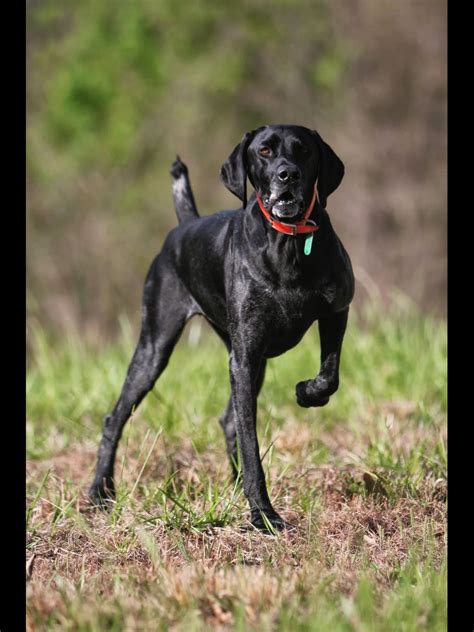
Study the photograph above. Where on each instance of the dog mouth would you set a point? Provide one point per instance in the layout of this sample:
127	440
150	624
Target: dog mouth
284	206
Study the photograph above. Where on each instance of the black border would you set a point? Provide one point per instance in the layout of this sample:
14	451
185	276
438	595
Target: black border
13	274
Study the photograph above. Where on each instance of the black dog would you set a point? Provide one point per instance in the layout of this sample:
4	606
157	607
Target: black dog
260	275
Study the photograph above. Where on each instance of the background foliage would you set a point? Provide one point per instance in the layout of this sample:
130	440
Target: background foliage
117	88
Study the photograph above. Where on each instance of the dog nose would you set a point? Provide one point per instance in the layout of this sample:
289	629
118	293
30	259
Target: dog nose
286	173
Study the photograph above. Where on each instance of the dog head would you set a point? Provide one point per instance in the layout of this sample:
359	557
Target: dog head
283	163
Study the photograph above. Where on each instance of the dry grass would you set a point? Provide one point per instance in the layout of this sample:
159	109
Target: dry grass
350	529
363	481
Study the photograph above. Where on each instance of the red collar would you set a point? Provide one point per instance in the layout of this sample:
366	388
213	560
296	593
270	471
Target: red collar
304	225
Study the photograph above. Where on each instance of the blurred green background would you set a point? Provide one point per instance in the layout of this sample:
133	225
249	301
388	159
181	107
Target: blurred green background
116	88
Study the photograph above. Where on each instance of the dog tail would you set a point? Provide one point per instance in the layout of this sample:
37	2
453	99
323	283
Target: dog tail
183	197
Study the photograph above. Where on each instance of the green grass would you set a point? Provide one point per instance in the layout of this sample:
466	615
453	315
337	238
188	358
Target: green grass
363	479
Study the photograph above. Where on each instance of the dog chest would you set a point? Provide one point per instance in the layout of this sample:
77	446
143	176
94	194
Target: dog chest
283	316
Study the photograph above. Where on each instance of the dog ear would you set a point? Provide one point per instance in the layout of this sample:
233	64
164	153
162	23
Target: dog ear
331	170
234	170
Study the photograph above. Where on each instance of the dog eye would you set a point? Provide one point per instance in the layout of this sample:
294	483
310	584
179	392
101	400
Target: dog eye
264	151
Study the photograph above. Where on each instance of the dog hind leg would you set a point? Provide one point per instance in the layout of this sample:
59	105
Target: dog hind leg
166	307
227	422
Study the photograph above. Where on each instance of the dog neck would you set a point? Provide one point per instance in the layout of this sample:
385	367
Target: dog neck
279	255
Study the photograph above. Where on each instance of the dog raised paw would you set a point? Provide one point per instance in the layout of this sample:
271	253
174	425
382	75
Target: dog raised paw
314	392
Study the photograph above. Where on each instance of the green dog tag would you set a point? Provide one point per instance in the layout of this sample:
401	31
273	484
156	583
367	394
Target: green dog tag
308	244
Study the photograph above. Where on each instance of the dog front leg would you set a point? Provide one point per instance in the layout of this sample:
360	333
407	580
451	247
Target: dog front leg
317	392
244	370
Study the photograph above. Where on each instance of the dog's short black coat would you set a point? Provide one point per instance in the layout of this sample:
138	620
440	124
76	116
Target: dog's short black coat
254	285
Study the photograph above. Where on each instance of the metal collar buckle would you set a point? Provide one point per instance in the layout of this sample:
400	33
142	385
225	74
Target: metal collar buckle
294	229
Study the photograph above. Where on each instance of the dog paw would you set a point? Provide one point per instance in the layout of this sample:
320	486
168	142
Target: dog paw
314	392
270	523
101	495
